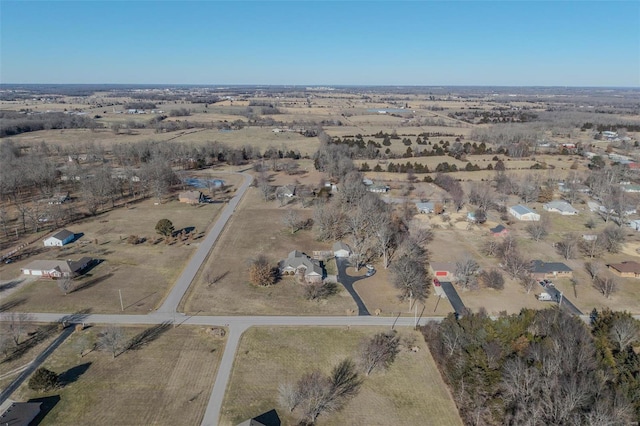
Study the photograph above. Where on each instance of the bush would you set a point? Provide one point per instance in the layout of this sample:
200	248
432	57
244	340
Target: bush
320	290
43	380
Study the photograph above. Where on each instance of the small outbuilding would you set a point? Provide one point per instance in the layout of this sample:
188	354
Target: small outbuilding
426	207
341	249
443	271
191	197
524	213
499	231
59	239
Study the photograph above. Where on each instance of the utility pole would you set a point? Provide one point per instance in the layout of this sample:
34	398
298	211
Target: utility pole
121	304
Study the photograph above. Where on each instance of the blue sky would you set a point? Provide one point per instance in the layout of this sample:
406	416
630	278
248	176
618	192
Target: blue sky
508	43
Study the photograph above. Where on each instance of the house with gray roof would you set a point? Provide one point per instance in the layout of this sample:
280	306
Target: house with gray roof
524	213
560	206
57	268
541	270
298	263
18	413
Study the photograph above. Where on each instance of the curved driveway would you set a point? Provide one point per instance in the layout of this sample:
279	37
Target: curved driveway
181	286
347	282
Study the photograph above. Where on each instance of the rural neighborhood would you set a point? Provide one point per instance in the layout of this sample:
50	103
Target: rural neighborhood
319	213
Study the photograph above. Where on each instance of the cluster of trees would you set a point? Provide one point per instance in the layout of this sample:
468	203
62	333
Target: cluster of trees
316	393
15	123
540	367
514	262
453	188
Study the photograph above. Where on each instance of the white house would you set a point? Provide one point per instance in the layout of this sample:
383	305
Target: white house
635	224
59	239
524	213
341	249
560	206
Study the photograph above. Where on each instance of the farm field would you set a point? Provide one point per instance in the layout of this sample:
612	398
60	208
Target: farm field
256	228
166	380
409	392
143	273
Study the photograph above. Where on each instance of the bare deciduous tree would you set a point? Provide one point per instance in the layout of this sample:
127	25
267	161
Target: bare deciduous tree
112	340
410	276
261	272
288	396
593	269
540	229
17	324
625	331
568	247
606	284
380	351
291	219
466	270
492	279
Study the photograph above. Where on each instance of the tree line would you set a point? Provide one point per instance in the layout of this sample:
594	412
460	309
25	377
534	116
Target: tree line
540	367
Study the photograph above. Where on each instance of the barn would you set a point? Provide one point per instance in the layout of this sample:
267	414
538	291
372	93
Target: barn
524	213
59	239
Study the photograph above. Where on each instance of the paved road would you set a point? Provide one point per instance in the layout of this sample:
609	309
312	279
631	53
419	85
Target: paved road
566	303
347	281
454	298
181	286
34	364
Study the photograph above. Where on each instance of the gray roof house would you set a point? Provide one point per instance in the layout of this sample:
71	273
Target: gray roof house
18	413
59	239
560	206
286	191
298	263
56	268
541	270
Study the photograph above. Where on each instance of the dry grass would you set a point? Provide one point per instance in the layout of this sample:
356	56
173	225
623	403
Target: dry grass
142	272
410	392
254	229
168	381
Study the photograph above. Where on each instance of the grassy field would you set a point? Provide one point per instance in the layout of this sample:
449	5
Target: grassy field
143	272
411	391
166	381
256	228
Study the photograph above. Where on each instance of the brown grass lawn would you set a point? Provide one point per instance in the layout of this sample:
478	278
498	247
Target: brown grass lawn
166	382
30	346
411	391
144	272
256	229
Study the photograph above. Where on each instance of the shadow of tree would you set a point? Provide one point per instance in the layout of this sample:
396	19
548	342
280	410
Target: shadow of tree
40	335
9	285
12	304
93	282
73	374
147	336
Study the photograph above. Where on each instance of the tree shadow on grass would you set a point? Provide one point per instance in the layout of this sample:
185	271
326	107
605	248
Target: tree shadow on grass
9	285
12	304
147	336
92	282
46	405
73	374
40	335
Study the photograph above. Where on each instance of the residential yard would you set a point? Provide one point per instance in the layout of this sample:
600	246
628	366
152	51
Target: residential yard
143	272
381	297
411	391
256	228
166	381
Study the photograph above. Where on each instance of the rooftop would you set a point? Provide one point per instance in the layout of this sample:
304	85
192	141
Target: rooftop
628	266
548	267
